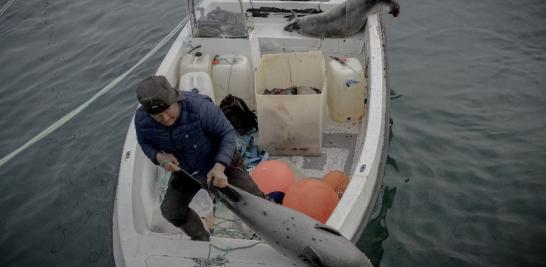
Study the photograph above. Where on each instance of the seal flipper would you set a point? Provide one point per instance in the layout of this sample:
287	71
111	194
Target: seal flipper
310	256
292	26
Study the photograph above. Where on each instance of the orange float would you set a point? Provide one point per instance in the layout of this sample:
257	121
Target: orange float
312	197
272	176
337	180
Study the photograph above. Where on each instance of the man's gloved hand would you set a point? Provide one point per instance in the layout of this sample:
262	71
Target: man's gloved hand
168	161
217	176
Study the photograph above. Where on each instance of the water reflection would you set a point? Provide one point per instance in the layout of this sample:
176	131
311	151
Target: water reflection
376	231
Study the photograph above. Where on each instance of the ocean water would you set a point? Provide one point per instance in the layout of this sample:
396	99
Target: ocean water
465	180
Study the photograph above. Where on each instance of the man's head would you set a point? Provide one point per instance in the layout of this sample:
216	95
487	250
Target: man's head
159	99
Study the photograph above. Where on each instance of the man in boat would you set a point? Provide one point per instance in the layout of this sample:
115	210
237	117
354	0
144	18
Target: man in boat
187	130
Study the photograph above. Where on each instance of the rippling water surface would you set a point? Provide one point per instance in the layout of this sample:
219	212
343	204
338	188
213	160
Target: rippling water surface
465	179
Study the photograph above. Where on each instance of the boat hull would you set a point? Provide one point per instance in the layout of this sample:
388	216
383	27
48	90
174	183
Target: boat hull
143	238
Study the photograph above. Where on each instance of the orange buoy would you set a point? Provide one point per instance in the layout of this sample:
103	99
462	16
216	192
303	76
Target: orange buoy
272	176
337	180
312	197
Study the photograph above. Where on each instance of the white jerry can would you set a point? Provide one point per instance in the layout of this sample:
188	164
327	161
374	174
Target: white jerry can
346	90
197	80
196	62
232	74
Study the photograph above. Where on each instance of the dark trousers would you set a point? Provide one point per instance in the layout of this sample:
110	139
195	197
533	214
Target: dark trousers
181	191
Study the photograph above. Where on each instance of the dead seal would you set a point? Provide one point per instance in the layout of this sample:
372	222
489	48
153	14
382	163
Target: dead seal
343	20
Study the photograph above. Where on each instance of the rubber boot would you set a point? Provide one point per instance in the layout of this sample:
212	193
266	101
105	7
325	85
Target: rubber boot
194	228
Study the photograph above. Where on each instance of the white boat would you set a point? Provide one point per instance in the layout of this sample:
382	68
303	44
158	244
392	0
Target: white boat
142	237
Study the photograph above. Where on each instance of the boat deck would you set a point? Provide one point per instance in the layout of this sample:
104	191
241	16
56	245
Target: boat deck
337	153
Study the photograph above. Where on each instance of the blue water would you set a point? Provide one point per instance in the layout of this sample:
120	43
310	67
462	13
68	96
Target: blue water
465	181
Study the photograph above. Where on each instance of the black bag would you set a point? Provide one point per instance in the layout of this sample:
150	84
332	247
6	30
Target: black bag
238	113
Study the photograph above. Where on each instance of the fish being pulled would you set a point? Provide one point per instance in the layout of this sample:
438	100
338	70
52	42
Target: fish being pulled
295	235
343	20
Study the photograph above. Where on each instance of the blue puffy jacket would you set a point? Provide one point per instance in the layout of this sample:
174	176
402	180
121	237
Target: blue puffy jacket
200	137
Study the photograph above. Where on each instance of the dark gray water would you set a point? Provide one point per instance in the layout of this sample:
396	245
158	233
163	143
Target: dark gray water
465	184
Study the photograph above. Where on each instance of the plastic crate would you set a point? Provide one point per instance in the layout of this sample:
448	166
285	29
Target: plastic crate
291	124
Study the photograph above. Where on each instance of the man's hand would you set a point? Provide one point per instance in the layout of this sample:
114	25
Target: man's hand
168	161
217	176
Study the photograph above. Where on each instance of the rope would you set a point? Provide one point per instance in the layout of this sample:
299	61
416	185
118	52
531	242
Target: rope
229	78
104	90
219	260
6	6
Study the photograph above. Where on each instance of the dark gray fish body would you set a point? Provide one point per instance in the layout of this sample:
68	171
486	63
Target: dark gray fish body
294	234
343	20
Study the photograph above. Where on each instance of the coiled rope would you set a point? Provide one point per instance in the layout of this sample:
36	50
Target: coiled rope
104	90
219	260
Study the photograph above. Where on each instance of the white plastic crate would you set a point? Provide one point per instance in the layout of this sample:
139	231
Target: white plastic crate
291	124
